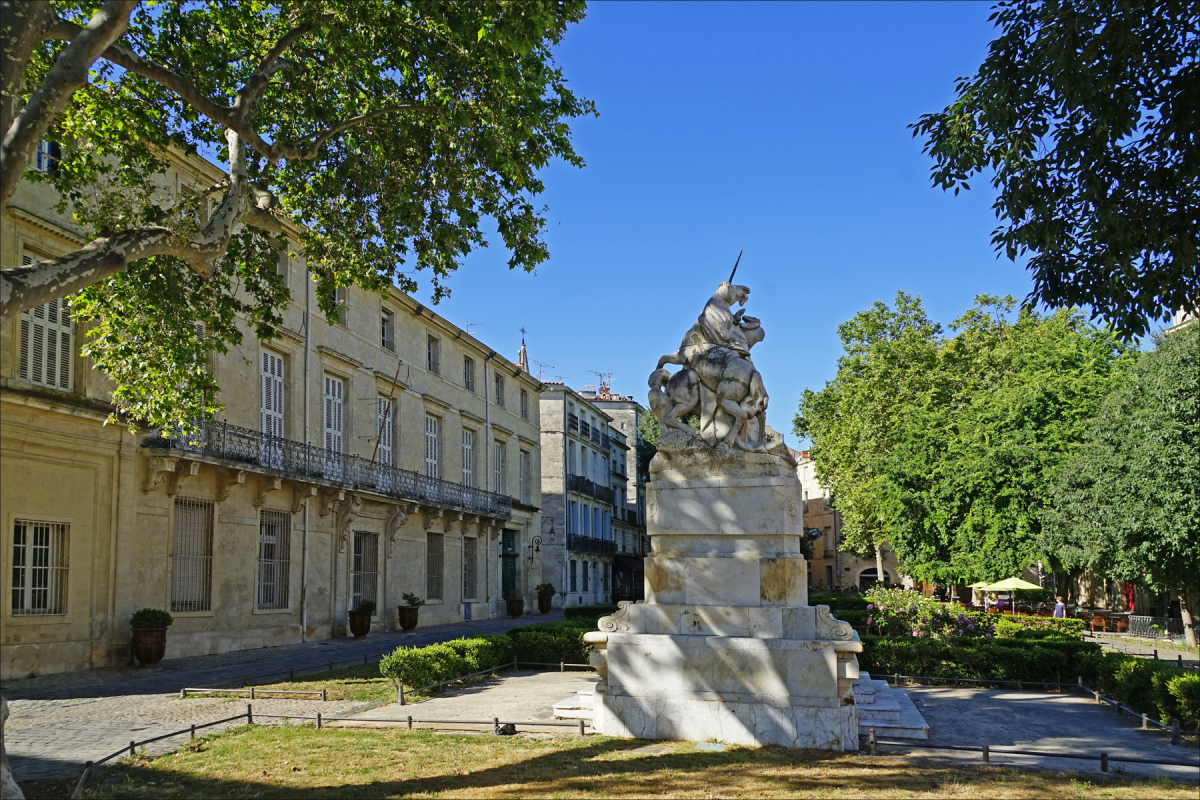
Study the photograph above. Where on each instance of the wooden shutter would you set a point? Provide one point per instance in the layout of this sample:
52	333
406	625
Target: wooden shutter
45	357
431	446
271	394
334	392
383	422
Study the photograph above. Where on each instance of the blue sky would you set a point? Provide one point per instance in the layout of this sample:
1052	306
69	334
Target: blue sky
775	128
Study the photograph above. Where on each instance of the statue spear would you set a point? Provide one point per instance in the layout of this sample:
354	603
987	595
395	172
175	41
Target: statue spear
735	266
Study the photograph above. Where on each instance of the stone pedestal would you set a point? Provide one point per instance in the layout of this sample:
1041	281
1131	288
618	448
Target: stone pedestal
725	646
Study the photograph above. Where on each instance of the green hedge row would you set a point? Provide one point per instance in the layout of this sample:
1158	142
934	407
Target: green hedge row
1014	626
592	613
1152	687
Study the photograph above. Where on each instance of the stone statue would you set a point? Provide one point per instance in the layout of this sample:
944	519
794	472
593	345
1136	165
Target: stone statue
718	381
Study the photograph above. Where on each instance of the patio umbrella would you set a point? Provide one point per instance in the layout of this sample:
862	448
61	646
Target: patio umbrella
978	585
1010	585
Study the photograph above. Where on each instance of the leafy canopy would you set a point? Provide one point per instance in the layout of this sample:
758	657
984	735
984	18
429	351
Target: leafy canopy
1087	115
388	130
943	445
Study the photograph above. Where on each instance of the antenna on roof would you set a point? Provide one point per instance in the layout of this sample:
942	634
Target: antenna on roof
471	325
735	266
605	380
542	367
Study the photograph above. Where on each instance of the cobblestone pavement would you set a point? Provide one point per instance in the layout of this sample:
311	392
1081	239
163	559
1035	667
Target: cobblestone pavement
60	721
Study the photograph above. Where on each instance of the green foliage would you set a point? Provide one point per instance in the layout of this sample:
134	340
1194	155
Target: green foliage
544	590
1084	113
411	599
944	446
649	431
418	667
589	613
1144	443
390	130
1038	627
151	618
553	642
1153	687
365	607
903	612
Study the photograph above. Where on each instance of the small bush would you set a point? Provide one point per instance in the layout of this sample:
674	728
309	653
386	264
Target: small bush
151	618
422	666
366	607
589	612
553	642
483	652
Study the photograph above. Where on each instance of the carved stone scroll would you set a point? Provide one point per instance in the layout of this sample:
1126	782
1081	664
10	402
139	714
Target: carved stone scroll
183	470
263	487
391	527
329	499
432	515
615	623
299	495
226	480
830	628
346	513
156	468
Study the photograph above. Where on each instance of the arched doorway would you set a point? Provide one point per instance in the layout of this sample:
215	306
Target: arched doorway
869	577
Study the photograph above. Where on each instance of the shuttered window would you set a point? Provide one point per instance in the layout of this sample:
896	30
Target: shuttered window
469	373
573	576
435	552
498	467
334	403
470	567
271	394
526	476
431	446
364	580
191	555
45	357
383	423
274	558
524	404
468	457
39	567
388	330
500	390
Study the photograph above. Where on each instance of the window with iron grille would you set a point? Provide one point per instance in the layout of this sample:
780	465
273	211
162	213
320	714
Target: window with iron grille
39	571
526	477
364	578
500	390
432	424
468	457
191	555
46	334
388	331
524	404
433	356
468	373
435	552
499	468
274	558
470	567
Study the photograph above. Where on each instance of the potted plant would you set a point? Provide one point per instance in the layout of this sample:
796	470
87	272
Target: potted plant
360	618
545	596
408	611
516	606
150	635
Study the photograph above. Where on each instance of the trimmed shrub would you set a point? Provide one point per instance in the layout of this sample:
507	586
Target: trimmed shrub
592	613
151	618
483	652
1010	627
838	602
421	666
552	642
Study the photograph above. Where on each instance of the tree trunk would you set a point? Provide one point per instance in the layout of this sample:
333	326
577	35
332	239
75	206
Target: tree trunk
879	564
1189	605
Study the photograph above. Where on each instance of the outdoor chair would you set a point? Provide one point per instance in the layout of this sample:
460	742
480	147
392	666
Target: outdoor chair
1099	623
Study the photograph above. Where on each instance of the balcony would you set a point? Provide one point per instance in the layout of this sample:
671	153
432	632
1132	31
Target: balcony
590	544
585	430
605	444
572	423
828	552
596	435
242	448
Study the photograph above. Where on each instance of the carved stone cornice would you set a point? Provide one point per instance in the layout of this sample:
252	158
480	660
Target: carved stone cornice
226	480
183	470
299	495
391	526
457	519
263	487
156	468
347	511
830	628
328	500
431	516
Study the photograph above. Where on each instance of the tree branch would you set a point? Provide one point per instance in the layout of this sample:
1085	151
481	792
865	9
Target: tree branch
24	25
68	73
306	147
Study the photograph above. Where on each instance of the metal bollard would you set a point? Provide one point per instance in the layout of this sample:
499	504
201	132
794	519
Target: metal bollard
872	743
1019	686
401	693
291	673
1179	660
249	715
318	720
331	666
1145	723
132	748
323	697
956	682
1104	762
1156	654
896	679
410	722
182	693
1176	733
1080	680
987	756
496	725
193	736
562	666
251	692
1096	694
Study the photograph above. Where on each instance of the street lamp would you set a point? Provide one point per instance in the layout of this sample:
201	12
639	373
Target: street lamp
535	547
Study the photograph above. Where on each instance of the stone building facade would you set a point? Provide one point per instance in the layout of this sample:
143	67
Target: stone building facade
629	515
389	453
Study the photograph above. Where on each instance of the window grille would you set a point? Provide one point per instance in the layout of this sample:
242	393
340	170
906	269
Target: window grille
39	571
191	555
364	580
274	558
45	357
469	374
499	468
432	359
431	446
435	551
468	457
500	390
383	424
525	477
524	404
470	567
388	331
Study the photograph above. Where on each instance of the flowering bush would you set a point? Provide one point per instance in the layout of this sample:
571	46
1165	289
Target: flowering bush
903	612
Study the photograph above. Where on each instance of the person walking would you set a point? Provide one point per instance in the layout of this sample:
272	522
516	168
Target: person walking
1060	608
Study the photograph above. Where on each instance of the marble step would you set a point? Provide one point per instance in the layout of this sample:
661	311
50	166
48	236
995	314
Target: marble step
909	725
876	698
577	706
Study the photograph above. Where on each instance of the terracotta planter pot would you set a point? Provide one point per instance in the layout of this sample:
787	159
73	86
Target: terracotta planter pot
360	623
544	604
516	607
408	617
149	645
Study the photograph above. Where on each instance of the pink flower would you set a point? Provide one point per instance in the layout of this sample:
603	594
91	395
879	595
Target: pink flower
883	608
916	633
870	621
870	606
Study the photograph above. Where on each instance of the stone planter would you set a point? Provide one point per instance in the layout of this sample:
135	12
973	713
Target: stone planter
149	646
516	607
360	623
544	604
408	617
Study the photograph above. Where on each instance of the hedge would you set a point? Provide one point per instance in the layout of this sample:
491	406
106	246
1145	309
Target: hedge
1023	626
553	642
1152	687
423	666
592	613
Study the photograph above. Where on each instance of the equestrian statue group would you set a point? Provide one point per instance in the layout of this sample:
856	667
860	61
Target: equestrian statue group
718	382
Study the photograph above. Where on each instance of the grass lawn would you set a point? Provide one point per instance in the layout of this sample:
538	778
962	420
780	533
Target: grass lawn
301	762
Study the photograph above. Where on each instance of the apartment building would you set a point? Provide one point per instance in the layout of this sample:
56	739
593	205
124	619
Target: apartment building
388	453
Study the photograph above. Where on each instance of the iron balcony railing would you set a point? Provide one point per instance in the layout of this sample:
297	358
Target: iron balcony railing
590	544
582	485
596	435
296	460
585	430
572	423
605	443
